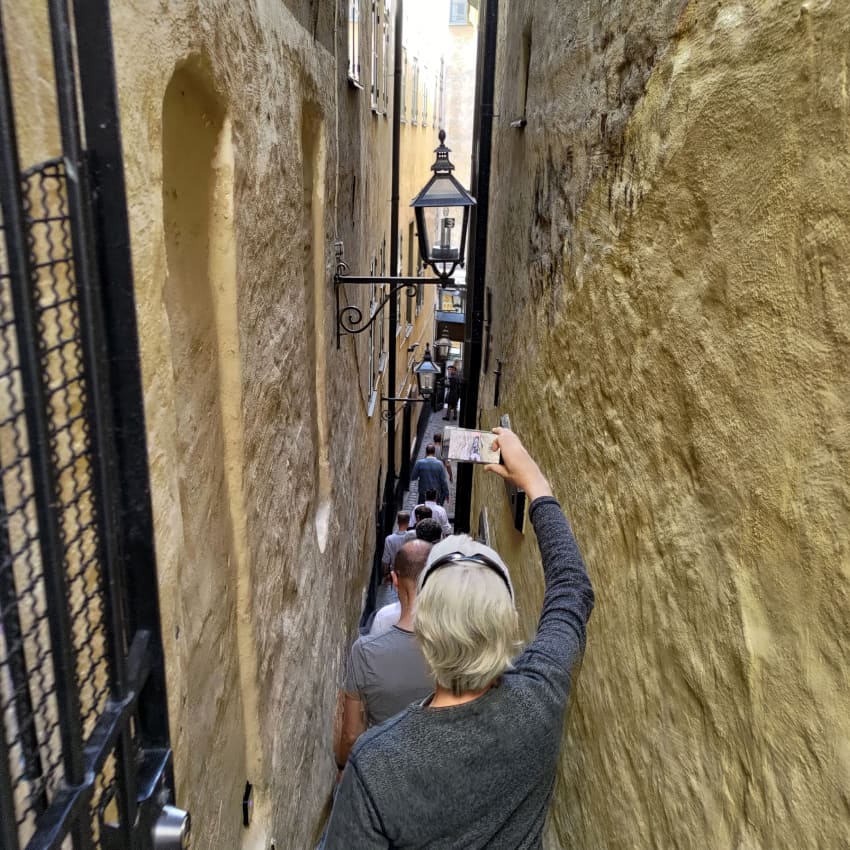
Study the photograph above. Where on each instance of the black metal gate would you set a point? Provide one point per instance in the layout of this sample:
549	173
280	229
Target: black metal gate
84	751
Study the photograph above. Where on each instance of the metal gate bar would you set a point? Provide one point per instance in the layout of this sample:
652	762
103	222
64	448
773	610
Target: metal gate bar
99	405
16	657
43	477
89	730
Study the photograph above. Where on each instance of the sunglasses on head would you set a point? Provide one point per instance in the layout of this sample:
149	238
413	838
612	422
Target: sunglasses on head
459	557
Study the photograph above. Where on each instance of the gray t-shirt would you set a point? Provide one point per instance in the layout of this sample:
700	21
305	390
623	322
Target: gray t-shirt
388	672
477	775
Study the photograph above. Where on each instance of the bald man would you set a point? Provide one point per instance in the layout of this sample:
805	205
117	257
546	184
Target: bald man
387	672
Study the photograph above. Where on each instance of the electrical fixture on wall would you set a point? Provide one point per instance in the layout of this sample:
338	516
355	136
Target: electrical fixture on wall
442	218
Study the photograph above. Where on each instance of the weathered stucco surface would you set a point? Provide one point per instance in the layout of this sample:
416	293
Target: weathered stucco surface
670	245
263	461
260	453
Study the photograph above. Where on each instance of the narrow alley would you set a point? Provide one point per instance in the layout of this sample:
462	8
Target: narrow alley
251	254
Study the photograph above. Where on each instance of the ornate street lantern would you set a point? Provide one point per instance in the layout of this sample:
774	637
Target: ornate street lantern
442	216
442	347
426	374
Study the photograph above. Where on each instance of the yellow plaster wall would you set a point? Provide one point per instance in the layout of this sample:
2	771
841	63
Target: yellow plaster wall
670	245
236	119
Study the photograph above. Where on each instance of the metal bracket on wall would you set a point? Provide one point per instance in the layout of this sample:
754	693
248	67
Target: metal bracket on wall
516	496
350	318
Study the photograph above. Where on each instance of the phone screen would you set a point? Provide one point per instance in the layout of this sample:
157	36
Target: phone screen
469	446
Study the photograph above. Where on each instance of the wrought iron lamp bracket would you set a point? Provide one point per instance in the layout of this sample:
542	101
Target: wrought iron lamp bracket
350	318
390	413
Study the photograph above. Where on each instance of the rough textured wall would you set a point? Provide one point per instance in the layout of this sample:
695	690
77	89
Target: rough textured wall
669	248
229	118
247	155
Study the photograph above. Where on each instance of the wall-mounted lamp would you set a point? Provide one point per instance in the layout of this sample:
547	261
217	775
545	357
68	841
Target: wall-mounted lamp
442	347
442	244
426	372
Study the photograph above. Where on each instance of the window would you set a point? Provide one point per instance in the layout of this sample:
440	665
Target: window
425	104
420	289
386	63
403	118
458	13
354	41
436	100
442	116
373	305
410	299
377	73
414	100
384	320
522	81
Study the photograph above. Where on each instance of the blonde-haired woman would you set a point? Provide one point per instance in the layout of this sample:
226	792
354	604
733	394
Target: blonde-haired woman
473	765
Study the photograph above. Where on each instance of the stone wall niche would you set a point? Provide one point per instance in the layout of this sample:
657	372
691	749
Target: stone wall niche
315	281
200	302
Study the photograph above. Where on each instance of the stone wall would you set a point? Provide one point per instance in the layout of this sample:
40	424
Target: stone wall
669	241
253	455
247	154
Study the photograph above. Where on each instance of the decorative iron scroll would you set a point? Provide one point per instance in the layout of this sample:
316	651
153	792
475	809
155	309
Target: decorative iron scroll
350	317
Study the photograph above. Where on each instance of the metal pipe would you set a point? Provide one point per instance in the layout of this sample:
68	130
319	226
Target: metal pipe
389	486
482	141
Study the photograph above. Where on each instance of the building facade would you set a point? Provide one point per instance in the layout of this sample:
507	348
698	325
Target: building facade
256	137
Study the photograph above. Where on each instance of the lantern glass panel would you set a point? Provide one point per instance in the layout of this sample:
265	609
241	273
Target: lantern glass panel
426	383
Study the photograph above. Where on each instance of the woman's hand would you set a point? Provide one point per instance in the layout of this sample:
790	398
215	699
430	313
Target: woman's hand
517	466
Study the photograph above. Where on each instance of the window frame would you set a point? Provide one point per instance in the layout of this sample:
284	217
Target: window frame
404	74
373	56
414	100
354	43
386	62
455	19
424	122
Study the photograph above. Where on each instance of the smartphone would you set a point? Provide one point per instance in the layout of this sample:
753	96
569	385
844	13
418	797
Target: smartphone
469	446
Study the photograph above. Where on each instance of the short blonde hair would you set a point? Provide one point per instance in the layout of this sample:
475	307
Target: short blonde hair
465	619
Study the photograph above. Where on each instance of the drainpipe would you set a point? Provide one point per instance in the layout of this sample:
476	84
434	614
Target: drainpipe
482	139
385	518
389	487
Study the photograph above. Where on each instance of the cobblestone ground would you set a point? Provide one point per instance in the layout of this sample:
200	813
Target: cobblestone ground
411	496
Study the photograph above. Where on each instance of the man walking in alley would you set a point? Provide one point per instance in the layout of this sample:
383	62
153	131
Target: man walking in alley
388	615
452	392
473	766
420	512
386	594
431	475
438	513
438	449
388	671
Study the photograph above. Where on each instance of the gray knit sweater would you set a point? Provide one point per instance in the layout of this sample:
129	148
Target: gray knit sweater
479	774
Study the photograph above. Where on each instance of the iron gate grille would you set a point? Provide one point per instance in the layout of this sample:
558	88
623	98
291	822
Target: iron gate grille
84	756
28	682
